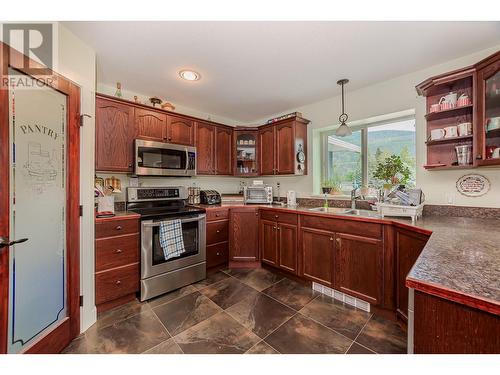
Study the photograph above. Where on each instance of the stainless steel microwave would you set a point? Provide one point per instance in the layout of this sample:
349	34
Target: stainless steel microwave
164	159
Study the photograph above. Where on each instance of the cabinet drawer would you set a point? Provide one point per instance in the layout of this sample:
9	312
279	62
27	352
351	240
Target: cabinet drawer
216	214
340	225
116	283
217	254
217	232
116	251
276	215
116	228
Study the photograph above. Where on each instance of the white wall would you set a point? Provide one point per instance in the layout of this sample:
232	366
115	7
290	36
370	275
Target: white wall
386	97
77	62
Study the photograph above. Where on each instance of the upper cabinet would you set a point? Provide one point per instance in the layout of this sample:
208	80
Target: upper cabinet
463	116
214	149
488	110
223	150
150	125
283	147
114	136
246	151
180	130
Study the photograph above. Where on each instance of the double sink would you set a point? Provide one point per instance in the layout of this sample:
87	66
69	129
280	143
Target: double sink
345	211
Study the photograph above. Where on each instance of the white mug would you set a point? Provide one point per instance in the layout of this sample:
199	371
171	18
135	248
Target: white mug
451	131
437	134
465	128
450	98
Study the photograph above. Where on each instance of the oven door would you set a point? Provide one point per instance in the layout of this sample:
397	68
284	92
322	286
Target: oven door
153	260
164	159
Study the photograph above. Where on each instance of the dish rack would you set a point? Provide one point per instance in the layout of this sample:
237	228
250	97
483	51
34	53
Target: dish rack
387	209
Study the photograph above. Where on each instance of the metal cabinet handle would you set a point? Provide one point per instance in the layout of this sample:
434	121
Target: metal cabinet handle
118	251
119	227
278	228
218	254
331	238
217	215
276	216
4	242
338	241
118	282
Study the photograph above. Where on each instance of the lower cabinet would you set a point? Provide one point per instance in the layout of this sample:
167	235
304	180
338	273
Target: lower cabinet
359	267
409	245
318	255
278	244
217	237
268	243
244	234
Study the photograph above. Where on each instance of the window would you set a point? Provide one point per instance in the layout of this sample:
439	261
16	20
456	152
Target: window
350	162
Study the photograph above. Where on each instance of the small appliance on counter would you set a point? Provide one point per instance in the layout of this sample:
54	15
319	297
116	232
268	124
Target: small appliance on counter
210	197
258	193
194	195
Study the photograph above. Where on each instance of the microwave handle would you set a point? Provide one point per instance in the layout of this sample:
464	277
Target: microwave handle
157	224
187	161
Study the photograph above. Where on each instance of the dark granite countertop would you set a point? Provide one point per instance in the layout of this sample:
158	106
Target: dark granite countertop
460	262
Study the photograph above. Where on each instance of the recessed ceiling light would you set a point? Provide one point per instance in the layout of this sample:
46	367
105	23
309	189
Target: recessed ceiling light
189	75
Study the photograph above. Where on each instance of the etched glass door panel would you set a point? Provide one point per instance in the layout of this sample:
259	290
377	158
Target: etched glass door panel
37	298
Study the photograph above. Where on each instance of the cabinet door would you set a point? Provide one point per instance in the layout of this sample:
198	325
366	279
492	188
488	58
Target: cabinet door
114	135
317	255
180	130
358	267
285	149
244	235
205	148
223	150
409	245
268	242
266	150
150	125
287	247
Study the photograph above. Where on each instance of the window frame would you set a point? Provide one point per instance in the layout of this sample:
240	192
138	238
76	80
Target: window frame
364	143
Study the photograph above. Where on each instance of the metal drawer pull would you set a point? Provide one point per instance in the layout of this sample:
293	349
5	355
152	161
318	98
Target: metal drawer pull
218	254
331	238
218	230
278	228
338	241
119	251
119	227
217	215
118	282
276	216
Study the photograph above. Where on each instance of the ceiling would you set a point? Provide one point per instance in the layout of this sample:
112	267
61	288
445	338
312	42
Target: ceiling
251	70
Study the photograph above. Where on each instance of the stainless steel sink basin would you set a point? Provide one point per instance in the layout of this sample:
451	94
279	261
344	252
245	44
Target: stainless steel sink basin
345	211
331	210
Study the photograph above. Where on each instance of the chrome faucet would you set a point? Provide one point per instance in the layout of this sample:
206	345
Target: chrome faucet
353	198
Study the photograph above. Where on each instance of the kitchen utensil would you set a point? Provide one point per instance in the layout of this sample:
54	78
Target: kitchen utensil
437	134
291	198
451	131
463	100
464	154
465	128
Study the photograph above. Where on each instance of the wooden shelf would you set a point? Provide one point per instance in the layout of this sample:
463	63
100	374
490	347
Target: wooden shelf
448	112
449	140
445	167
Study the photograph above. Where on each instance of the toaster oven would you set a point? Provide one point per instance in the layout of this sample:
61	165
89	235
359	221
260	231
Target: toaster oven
258	194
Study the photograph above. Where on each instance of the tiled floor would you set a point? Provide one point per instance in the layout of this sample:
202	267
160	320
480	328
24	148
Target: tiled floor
241	311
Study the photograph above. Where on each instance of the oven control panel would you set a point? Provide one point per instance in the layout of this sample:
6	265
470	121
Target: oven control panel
138	194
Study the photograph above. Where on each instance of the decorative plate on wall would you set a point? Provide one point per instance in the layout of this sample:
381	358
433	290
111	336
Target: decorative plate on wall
473	185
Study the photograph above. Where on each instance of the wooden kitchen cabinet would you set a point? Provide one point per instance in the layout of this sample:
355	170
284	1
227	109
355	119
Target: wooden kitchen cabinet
359	266
287	247
244	234
217	236
214	147
205	147
223	150
114	136
408	246
150	125
317	252
268	243
280	145
180	130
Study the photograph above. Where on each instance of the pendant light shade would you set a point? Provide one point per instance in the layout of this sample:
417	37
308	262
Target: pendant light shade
343	130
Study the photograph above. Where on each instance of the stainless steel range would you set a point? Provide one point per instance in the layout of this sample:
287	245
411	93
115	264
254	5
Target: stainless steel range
155	205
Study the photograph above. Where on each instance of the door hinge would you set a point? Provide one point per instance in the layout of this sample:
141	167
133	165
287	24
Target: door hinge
82	117
81	210
81	301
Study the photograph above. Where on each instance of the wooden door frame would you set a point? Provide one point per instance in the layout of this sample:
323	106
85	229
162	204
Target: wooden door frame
68	328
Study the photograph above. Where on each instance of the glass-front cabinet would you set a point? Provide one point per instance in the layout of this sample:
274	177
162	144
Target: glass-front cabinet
489	112
245	140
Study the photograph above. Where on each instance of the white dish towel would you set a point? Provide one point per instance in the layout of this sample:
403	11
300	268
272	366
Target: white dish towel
171	240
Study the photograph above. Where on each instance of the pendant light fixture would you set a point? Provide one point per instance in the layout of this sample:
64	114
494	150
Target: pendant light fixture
343	130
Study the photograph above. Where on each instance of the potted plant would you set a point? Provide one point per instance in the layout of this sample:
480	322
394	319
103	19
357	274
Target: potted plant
393	171
330	186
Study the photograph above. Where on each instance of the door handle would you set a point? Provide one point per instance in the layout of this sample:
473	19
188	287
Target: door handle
4	242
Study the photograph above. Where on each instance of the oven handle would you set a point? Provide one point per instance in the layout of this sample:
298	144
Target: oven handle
190	220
